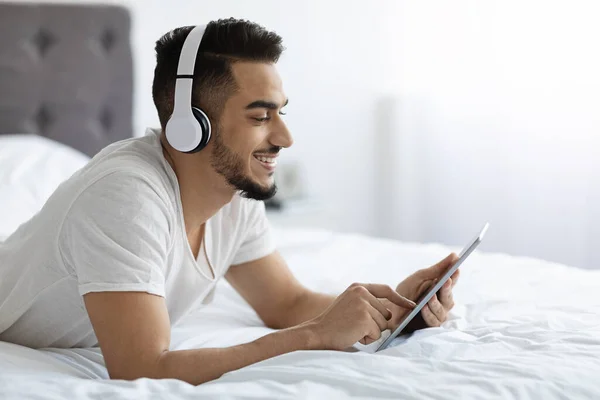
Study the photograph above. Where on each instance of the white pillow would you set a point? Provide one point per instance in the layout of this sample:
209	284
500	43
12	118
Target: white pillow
31	168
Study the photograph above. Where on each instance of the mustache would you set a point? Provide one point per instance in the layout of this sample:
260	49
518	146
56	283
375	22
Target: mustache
274	150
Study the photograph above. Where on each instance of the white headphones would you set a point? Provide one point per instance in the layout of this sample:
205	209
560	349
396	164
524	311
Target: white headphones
188	129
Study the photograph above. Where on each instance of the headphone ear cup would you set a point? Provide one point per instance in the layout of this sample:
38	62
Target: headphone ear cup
204	126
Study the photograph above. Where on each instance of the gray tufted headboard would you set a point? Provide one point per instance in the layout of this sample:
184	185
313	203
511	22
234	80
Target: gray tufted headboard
66	72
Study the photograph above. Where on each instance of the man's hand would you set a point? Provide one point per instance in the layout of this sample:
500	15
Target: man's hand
357	314
436	310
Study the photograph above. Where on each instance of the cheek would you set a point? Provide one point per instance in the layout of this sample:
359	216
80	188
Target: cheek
247	147
238	144
244	140
245	154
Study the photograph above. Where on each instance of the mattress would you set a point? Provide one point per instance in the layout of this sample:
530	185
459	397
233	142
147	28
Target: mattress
521	328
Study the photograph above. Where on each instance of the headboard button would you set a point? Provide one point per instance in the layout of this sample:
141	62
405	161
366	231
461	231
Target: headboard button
106	119
107	39
42	119
43	40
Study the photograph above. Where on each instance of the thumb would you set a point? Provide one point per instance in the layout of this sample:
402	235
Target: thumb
438	269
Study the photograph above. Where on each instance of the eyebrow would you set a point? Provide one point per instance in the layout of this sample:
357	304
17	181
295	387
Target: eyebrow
269	105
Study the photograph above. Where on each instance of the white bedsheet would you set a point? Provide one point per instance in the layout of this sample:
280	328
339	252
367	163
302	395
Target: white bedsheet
522	328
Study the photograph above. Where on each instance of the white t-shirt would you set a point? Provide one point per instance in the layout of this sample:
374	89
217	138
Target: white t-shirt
117	225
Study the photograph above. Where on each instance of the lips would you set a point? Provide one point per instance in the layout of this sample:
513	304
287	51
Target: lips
268	161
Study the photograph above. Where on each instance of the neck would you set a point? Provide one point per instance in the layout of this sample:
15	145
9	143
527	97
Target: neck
203	191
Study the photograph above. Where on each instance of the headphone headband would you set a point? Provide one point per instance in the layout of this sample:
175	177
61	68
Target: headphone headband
185	70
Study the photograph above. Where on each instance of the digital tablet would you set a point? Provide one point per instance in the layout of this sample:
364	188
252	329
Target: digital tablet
429	294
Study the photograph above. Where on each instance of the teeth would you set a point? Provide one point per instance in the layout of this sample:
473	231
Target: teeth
269	160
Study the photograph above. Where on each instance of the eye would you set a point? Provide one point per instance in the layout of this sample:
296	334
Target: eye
282	113
262	119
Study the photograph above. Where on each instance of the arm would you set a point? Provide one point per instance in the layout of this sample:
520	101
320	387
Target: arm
274	293
281	301
133	331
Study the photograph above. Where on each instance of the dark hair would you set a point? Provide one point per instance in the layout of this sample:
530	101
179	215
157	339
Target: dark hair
225	41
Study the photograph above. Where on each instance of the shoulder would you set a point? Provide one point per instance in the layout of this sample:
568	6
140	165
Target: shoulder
139	155
130	173
123	198
120	212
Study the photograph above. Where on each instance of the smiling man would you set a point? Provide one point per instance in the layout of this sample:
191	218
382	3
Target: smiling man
141	235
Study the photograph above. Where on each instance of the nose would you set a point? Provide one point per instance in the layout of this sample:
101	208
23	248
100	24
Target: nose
281	135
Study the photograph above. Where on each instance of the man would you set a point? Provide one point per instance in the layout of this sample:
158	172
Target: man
142	234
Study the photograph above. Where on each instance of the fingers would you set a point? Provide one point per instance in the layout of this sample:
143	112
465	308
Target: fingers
445	295
379	307
425	286
437	270
379	319
378	314
429	317
367	340
448	261
373	333
437	308
385	291
455	276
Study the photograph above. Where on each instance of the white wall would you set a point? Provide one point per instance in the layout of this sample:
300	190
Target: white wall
500	101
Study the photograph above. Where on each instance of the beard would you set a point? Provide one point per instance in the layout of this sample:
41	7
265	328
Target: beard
231	166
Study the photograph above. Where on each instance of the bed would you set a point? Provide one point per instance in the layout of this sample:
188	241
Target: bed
521	328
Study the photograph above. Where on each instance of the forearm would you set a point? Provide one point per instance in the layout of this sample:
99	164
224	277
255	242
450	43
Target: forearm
306	306
203	365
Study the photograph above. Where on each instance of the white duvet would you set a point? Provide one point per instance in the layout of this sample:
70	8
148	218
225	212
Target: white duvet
522	328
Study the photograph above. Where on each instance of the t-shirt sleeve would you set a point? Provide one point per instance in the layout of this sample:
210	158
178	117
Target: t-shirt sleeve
257	241
116	236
